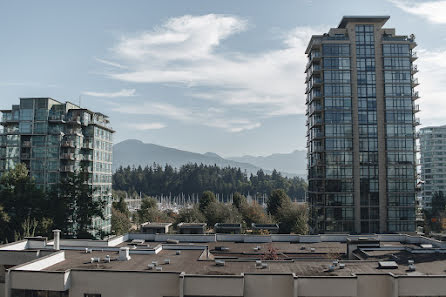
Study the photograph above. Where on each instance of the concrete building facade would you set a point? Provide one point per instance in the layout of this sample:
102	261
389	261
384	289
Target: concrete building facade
361	128
55	139
433	163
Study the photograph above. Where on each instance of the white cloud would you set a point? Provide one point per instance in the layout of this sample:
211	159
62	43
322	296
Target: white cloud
432	78
433	11
185	51
147	126
212	117
121	93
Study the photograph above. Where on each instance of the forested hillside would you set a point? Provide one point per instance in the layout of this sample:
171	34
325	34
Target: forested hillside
192	178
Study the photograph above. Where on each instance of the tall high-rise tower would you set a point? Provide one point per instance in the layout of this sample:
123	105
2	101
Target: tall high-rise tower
361	128
54	139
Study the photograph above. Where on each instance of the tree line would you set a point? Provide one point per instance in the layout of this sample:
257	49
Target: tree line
291	217
189	179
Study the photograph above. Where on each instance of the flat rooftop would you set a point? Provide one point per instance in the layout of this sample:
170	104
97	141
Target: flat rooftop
239	258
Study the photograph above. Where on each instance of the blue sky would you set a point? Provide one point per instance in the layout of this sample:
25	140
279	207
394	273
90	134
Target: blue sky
221	76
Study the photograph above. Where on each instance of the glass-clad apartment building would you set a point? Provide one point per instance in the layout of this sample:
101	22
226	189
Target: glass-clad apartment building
361	128
433	163
54	139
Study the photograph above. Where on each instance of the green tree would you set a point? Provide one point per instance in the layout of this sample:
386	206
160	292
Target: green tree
438	203
239	201
206	199
276	200
120	222
190	215
74	206
217	212
149	212
293	218
21	200
121	206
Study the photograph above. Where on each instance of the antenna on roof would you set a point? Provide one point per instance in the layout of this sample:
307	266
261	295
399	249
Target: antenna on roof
80	100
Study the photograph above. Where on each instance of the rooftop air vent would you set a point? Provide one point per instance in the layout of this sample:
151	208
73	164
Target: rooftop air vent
219	263
312	250
159	268
178	253
166	261
411	267
264	265
150	266
124	254
387	265
341	265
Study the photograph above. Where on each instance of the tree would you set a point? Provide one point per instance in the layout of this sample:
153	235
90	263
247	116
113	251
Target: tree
239	201
190	215
438	203
293	218
149	212
217	212
121	206
120	222
21	200
276	200
255	214
74	206
206	199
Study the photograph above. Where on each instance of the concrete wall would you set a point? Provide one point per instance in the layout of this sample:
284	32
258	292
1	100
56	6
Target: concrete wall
327	286
43	262
377	285
120	284
15	246
2	290
421	285
221	285
256	285
38	280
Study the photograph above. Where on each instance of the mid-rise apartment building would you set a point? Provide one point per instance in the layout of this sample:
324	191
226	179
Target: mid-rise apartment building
433	163
54	139
361	128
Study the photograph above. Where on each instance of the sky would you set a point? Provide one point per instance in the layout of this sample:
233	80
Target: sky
197	75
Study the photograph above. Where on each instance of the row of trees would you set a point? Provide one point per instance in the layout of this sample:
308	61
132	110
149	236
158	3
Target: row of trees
192	178
26	210
292	217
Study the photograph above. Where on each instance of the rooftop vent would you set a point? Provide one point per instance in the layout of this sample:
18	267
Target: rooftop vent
411	267
221	248
178	253
219	263
159	268
150	266
173	241
124	254
335	263
258	264
107	259
426	246
138	241
410	262
331	268
264	265
155	263
166	261
312	250
387	265
341	265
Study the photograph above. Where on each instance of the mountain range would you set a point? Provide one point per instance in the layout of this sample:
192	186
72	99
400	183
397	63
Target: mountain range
134	152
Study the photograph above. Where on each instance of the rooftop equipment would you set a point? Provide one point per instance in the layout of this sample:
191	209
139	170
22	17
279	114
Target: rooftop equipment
166	261
124	254
387	265
219	262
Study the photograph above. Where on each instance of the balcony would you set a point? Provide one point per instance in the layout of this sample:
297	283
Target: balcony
67	168
415	95
67	156
416	108
415	82
397	38
56	118
74	132
87	158
414	69
87	145
26	143
413	56
416	122
74	120
67	144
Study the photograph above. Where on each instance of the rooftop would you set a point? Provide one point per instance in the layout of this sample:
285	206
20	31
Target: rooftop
301	255
362	19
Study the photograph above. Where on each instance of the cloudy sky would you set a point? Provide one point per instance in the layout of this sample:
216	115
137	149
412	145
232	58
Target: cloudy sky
199	75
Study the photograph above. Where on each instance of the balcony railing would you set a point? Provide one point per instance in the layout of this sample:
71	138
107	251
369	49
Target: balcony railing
414	69
416	108
415	95
416	121
67	144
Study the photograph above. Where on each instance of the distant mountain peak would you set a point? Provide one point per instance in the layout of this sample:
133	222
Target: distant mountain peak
210	154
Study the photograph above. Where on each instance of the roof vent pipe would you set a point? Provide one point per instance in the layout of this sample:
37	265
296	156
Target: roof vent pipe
56	239
124	254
